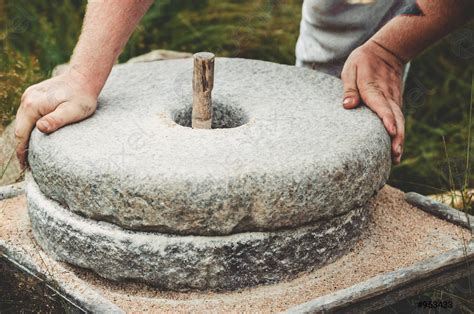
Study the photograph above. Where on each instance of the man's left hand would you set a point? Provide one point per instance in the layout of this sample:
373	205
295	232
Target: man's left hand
373	75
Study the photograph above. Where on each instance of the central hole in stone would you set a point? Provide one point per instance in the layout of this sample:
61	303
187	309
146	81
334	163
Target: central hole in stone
224	116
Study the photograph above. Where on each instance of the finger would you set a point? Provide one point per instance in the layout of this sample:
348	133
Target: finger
351	93
66	113
26	118
398	140
375	100
24	124
39	100
33	105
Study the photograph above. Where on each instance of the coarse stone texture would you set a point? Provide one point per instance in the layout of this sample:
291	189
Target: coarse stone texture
189	262
283	151
393	240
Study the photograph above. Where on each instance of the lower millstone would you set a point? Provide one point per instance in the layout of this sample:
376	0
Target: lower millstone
189	262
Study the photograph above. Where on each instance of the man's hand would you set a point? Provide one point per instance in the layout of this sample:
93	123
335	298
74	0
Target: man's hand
373	72
72	96
50	105
373	75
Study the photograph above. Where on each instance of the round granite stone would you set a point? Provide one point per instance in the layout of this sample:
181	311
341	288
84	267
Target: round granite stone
282	152
190	262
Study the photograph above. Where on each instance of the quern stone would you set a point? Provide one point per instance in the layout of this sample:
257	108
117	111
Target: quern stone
283	152
189	262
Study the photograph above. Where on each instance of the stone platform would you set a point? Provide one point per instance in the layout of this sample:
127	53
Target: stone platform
190	262
403	251
279	185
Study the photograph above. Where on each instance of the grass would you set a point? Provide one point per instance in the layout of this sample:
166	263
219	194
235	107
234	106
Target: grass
436	106
37	35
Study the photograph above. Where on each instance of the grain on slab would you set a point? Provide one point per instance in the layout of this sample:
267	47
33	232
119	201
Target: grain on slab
398	235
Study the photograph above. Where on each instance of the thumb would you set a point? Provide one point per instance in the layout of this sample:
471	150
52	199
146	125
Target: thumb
66	113
351	92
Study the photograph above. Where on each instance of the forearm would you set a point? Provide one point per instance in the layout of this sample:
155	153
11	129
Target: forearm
407	35
107	27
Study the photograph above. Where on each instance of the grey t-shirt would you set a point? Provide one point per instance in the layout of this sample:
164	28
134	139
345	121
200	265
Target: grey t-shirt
331	29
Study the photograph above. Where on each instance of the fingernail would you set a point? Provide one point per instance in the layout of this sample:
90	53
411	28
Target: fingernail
347	101
44	125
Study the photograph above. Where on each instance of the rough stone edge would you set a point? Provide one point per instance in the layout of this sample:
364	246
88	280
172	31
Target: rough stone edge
375	157
440	210
383	284
13	190
85	298
48	218
160	54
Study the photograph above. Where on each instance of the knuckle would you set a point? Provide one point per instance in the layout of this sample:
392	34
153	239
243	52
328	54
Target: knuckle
54	122
18	133
350	89
28	103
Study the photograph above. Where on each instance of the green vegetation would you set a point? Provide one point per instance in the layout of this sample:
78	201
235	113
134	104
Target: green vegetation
37	35
437	104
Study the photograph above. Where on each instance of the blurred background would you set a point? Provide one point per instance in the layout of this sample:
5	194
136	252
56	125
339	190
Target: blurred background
36	36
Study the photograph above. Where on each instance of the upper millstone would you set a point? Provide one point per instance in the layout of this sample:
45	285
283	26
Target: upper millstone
283	151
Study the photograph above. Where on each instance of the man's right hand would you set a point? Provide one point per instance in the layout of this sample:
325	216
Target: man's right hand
50	105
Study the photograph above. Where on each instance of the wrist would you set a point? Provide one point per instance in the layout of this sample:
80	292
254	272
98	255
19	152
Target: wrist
91	82
377	47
